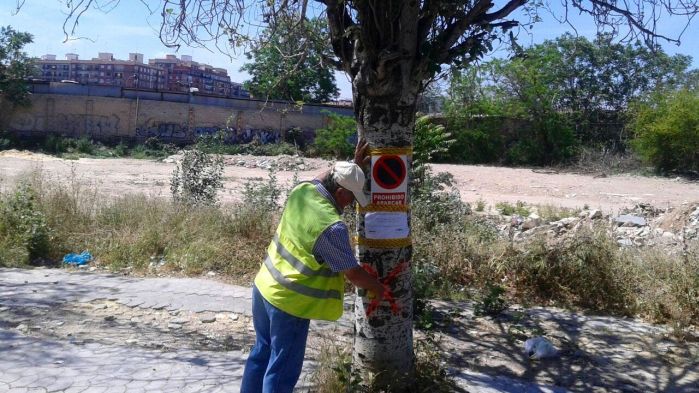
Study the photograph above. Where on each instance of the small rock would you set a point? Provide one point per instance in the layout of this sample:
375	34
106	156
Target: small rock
595	214
100	306
179	321
174	326
516	220
668	235
211	274
234	316
539	348
643	232
110	318
630	220
531	224
208	319
625	242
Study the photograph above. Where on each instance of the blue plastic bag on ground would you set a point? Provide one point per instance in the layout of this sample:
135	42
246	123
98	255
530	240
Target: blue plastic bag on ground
77	259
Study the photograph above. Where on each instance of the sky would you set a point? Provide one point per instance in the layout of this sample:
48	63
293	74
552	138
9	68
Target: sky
129	28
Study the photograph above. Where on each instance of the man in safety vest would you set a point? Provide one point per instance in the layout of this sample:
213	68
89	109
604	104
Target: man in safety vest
301	277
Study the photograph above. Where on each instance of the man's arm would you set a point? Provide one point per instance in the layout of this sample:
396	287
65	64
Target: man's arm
359	277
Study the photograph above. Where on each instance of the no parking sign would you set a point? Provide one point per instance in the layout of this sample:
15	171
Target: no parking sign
389	174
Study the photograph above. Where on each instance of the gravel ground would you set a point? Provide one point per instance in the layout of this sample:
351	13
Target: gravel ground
491	184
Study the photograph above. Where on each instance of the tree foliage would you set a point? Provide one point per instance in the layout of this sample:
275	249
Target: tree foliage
287	64
333	140
563	88
15	66
666	129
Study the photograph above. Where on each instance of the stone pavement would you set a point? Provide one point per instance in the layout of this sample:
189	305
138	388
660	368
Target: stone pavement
107	336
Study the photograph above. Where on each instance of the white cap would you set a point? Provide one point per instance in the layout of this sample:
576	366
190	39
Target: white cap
351	177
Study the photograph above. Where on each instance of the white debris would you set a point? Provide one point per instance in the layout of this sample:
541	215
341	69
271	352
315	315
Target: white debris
539	348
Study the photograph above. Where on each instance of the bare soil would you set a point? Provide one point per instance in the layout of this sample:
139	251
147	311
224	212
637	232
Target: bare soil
115	177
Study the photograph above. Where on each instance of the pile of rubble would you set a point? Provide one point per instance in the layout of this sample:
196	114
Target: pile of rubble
281	162
642	225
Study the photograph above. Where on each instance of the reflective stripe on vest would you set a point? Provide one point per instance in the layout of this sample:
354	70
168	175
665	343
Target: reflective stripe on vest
302	289
298	265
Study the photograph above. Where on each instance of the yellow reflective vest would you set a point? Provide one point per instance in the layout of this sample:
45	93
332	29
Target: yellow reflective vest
290	277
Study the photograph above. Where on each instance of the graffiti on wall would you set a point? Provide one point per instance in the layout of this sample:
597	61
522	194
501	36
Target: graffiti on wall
67	124
166	131
174	132
234	136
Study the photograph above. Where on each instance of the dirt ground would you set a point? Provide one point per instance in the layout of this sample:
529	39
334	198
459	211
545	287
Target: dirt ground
116	177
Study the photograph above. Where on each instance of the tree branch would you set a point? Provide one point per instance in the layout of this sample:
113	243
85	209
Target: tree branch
340	24
504	11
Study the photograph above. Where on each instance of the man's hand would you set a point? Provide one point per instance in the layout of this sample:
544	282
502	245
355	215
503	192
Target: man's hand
361	156
359	277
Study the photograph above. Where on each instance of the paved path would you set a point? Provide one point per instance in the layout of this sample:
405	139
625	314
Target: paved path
89	349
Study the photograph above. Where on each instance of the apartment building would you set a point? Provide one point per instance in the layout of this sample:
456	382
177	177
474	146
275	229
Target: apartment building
169	74
103	70
184	74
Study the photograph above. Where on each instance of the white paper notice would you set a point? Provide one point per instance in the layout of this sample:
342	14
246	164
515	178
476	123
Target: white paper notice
386	225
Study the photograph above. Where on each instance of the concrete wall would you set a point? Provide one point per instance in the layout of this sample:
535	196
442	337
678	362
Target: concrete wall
142	115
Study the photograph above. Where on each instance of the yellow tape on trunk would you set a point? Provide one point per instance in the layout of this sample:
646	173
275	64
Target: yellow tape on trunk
383	243
382	208
379	151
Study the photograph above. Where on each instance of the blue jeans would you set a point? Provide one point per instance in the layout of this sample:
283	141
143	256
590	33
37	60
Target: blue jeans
275	361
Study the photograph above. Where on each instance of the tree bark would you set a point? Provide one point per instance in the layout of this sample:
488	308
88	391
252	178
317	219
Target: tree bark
383	342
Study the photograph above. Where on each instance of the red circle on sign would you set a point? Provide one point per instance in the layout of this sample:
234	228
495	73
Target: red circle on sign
389	172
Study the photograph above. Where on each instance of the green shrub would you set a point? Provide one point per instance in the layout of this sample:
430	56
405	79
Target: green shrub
547	139
263	195
197	179
492	303
85	145
666	131
477	140
333	139
56	144
24	232
508	209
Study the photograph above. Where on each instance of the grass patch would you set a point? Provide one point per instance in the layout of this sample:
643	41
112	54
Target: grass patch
152	148
507	209
550	213
134	230
587	271
84	147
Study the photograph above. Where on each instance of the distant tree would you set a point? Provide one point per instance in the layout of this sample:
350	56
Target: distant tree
666	130
288	63
574	74
590	82
15	67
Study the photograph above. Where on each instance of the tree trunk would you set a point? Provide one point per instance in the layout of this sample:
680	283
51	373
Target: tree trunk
383	342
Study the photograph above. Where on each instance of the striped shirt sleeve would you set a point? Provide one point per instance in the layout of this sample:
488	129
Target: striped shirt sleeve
333	247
